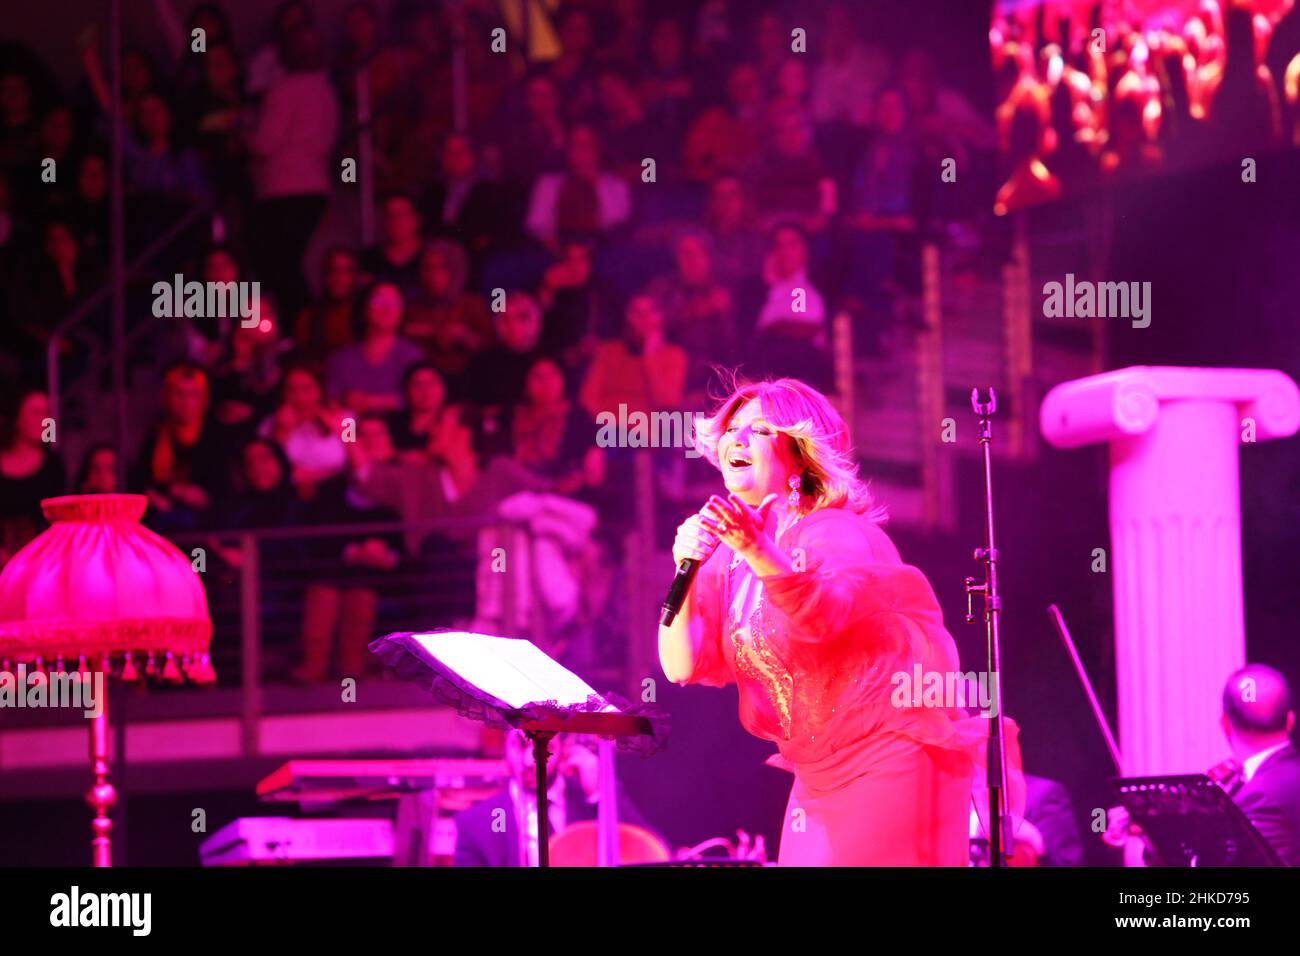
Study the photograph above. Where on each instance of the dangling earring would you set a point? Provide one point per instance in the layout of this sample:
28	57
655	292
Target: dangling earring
796	481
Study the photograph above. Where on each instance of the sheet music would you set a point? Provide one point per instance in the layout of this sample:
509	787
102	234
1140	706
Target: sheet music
514	671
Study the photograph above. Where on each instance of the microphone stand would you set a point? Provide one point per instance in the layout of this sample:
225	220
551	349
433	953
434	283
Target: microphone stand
999	818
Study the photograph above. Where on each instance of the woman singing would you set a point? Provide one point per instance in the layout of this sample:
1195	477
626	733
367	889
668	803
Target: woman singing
809	609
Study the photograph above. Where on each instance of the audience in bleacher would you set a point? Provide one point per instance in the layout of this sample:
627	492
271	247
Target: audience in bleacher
531	270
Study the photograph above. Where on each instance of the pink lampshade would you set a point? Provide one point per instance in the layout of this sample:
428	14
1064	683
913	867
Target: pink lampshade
98	585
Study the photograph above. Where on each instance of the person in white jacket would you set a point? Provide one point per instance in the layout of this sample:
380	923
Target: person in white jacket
583	200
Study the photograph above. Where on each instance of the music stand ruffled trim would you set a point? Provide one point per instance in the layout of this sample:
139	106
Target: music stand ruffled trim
397	652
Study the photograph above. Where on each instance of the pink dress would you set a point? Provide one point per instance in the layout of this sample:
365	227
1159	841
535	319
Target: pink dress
814	653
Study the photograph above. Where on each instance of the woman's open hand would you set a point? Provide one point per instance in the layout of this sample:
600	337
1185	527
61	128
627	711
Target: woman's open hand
741	527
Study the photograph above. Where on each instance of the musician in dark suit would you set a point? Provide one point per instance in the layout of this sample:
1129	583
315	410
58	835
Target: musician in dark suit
467	205
1049	810
1257	720
1047	834
501	830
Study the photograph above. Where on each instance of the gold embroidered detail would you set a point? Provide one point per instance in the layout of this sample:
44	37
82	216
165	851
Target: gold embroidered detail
757	659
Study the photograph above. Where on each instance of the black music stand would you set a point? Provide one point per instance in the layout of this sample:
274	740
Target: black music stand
487	686
1191	821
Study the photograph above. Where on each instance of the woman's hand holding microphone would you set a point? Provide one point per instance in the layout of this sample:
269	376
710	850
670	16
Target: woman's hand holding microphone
693	541
742	527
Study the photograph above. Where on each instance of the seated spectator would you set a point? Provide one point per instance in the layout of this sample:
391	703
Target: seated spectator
628	136
724	140
15	210
770	40
58	138
738	244
640	370
367	376
246	375
450	323
19	132
98	472
265	497
790	88
361	38
343	597
698	311
530	135
157	161
308	429
30	469
411	428
213	20
183	464
791	330
549	433
570	299
88	211
668	88
328	324
494	379
846	81
203	338
14	243
423	35
139	79
465	204
458	481
879	214
793	308
880	194
212	108
44	292
395	130
396	258
788	179
572	69
946	122
624	32
585	200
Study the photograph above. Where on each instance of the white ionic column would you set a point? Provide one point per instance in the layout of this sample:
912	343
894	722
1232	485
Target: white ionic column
1175	528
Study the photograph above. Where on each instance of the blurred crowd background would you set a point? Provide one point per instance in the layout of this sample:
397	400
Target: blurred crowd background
626	201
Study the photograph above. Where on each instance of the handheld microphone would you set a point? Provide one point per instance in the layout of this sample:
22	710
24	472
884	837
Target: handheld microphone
677	592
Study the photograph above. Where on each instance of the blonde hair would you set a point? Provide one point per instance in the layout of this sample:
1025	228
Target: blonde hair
822	445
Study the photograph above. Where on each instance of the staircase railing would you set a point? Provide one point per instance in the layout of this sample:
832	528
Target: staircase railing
101	295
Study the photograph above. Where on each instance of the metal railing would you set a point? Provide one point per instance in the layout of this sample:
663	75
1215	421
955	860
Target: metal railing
263	606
